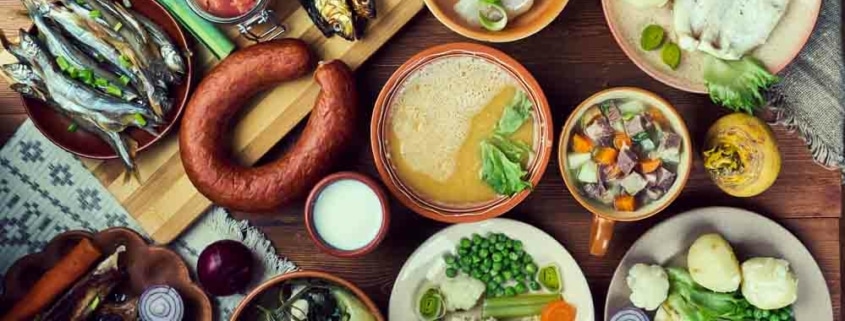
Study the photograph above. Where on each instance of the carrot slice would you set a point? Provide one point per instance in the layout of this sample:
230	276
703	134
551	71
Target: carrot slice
558	311
657	116
621	139
605	156
624	203
581	144
55	282
650	165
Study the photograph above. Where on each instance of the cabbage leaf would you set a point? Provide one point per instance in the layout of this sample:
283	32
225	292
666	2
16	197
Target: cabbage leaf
737	84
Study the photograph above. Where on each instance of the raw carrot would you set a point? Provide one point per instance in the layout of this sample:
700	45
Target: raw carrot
650	165
581	144
624	203
621	139
558	311
54	282
605	156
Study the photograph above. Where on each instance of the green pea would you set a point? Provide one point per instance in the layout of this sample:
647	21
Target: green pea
764	314
485	268
510	291
499	279
507	275
487	263
476	239
519	253
527	259
465	243
499	246
474	248
521	288
451	272
531	268
493	272
476	259
500	292
463	252
517	245
485	277
497	257
497	266
517	274
534	285
449	258
513	256
492	286
509	244
484	244
774	317
466	269
476	274
483	253
466	259
491	292
758	314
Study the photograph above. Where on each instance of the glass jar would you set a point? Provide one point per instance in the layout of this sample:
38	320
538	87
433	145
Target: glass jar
247	22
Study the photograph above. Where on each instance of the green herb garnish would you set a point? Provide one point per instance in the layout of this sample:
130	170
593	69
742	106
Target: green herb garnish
73	72
117	26
124	80
86	76
140	119
72	127
95	14
113	90
515	114
124	61
62	62
501	173
101	82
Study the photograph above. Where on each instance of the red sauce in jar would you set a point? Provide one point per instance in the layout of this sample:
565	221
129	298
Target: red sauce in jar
227	8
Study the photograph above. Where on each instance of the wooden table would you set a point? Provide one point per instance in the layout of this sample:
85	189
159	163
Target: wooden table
573	58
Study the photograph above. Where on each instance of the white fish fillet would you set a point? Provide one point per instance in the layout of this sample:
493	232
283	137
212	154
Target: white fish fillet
727	29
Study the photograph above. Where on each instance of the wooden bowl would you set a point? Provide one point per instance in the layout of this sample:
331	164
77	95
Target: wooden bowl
538	17
309	214
146	265
476	212
626	25
245	303
605	216
82	143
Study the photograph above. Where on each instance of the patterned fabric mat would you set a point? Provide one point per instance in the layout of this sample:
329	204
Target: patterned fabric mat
45	191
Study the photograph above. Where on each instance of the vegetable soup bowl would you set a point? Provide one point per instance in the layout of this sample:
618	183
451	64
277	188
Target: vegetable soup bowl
471	212
605	215
541	14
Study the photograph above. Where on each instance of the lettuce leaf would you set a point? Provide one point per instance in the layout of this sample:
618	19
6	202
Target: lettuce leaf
737	84
516	151
515	114
501	173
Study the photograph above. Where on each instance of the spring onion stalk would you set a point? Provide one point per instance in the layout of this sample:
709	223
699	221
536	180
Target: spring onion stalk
117	26
124	80
517	306
140	119
72	127
218	43
95	14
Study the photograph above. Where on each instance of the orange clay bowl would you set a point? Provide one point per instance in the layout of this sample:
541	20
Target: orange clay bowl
476	212
678	126
254	294
541	14
82	143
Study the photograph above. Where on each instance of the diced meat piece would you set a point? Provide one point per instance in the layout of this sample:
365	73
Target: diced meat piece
654	193
634	126
634	183
596	192
670	146
665	178
614	116
600	132
626	160
651	178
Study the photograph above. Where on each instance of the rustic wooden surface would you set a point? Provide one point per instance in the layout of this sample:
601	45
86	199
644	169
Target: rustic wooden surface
573	58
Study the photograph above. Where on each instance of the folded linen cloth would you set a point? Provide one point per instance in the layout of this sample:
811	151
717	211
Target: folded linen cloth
810	98
45	191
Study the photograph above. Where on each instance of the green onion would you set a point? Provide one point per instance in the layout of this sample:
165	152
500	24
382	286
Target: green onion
113	90
81	2
124	61
95	303
99	58
95	14
73	72
72	127
101	82
118	26
87	76
141	120
517	306
203	30
124	80
63	64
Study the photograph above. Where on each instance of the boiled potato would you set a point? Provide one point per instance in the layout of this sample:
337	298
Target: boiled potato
712	264
768	283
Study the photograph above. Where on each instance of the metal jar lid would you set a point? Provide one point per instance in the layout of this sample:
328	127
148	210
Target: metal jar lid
246	22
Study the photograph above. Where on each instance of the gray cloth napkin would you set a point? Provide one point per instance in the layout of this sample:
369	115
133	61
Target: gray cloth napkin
810	98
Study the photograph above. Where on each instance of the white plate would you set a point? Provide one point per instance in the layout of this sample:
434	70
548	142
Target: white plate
749	233
429	257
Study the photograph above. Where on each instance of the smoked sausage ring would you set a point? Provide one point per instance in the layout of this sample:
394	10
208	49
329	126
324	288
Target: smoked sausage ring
222	93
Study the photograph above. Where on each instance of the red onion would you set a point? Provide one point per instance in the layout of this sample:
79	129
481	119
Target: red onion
225	267
161	303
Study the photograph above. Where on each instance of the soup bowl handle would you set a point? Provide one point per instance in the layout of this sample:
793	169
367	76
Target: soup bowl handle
601	232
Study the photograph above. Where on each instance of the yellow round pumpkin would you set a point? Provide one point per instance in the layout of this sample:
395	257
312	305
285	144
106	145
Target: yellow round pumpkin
741	155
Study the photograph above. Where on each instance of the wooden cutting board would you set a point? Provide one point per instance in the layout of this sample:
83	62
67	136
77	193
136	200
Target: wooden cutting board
165	202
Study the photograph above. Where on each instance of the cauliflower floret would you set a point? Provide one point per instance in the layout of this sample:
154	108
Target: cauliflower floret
768	283
649	286
461	292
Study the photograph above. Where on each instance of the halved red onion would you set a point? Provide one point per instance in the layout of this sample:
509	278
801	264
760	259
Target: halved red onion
630	314
161	303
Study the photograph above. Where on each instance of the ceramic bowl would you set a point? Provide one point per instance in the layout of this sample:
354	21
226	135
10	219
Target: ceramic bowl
541	14
476	212
309	214
82	143
627	21
146	265
245	303
606	215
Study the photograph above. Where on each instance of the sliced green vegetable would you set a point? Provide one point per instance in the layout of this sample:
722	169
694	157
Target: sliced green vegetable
62	62
516	113
737	84
652	37
549	278
492	16
124	80
114	91
124	61
500	173
140	119
72	127
671	55
518	306
117	26
203	30
72	72
86	76
101	82
430	306
95	14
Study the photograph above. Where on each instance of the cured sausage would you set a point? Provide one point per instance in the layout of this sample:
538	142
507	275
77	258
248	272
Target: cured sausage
217	98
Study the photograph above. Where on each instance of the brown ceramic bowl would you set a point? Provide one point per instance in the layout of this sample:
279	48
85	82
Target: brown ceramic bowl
309	214
450	213
146	265
81	143
627	21
245	303
604	216
541	14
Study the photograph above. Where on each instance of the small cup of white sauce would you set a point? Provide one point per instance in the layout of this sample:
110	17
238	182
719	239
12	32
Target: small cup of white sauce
347	214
